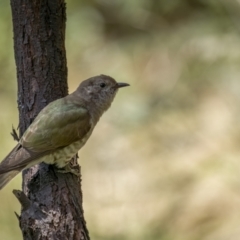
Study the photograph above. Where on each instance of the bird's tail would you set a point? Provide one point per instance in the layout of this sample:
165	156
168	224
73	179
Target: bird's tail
12	164
6	177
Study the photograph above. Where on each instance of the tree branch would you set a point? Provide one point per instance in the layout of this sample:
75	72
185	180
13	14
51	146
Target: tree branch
51	201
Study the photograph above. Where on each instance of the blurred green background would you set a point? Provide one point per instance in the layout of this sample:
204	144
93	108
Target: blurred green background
164	161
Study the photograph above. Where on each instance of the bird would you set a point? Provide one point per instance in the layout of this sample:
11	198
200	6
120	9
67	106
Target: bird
61	128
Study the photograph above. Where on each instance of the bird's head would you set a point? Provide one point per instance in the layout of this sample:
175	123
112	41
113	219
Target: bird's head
100	90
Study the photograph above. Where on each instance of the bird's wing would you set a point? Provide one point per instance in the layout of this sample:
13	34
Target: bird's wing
57	125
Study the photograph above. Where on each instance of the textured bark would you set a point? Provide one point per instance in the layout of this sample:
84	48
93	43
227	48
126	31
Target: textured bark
51	201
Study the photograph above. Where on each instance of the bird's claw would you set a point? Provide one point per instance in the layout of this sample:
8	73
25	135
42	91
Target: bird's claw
68	169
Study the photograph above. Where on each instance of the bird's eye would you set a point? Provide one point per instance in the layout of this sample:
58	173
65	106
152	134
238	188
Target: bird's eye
102	85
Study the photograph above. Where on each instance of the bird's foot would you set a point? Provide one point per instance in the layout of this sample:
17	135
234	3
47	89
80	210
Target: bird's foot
68	169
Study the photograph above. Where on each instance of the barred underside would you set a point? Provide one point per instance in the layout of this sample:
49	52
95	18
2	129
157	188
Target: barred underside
62	156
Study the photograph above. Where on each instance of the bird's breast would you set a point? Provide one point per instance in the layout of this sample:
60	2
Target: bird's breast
62	156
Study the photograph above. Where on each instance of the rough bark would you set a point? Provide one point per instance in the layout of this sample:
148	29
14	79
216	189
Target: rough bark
51	201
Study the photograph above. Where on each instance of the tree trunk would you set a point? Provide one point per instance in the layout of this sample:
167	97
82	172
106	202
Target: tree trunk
51	201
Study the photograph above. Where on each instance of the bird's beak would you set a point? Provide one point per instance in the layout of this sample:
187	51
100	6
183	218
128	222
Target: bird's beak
122	84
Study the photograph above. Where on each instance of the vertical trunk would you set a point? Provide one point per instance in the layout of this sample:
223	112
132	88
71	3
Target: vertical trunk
51	202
